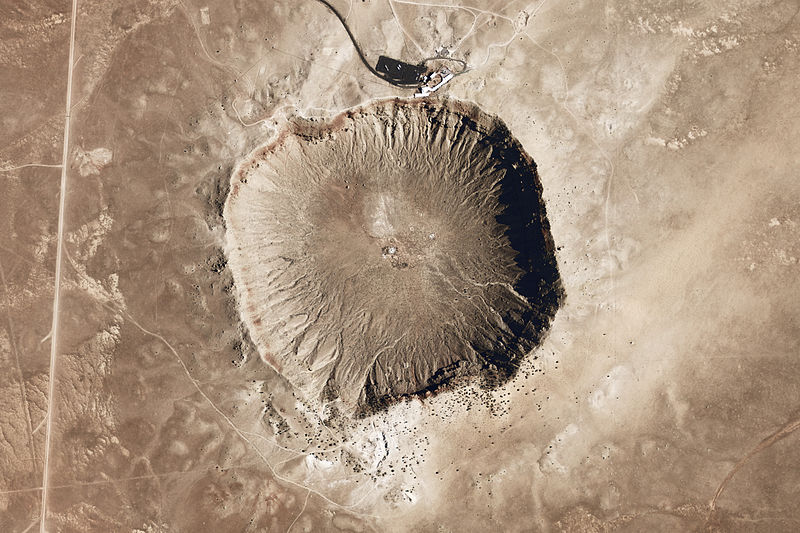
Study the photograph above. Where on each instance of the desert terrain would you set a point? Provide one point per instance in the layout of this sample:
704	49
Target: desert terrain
140	391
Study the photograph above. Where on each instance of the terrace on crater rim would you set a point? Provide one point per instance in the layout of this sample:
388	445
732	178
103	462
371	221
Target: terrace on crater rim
399	248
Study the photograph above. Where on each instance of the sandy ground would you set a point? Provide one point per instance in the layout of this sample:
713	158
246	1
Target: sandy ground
665	398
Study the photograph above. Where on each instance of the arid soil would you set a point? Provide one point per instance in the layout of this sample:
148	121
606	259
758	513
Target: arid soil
135	388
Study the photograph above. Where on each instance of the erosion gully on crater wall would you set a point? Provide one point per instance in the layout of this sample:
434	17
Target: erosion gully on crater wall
400	248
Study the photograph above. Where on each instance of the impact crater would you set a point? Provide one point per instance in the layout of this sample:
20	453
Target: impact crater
396	249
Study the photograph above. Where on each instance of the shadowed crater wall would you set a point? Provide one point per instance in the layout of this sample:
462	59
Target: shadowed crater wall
393	250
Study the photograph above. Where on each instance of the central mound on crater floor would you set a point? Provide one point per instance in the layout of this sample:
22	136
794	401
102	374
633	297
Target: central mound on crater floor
390	251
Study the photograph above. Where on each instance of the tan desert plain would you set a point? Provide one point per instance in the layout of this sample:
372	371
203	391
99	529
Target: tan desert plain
249	282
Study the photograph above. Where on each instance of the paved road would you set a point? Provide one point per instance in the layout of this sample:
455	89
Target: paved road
361	52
